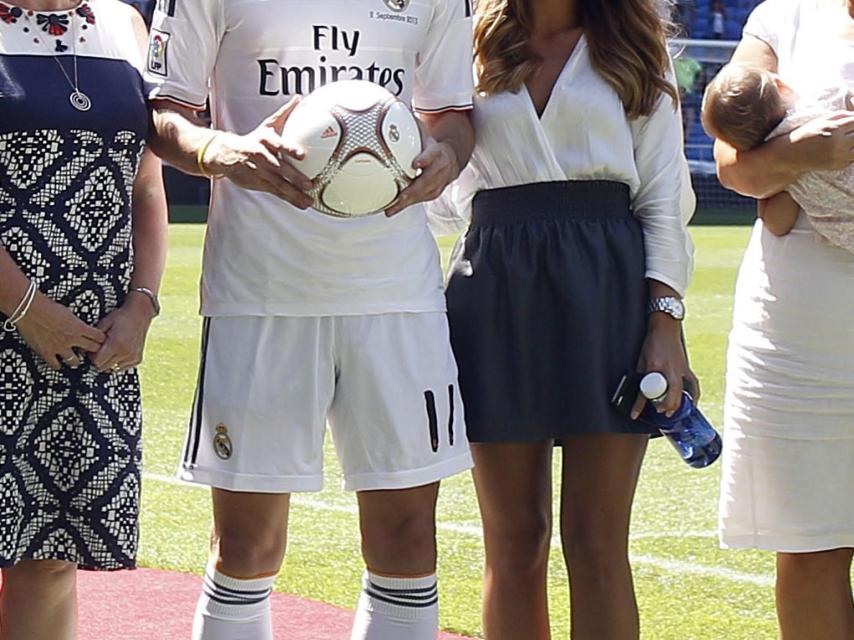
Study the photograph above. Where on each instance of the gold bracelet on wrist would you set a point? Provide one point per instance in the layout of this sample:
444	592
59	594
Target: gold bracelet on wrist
200	159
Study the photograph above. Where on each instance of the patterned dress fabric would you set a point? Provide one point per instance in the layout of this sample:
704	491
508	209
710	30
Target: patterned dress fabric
70	448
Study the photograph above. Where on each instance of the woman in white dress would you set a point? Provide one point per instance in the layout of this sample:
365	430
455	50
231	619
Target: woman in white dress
577	197
788	475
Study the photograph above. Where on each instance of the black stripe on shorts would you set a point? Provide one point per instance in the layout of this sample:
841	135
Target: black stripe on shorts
191	451
432	419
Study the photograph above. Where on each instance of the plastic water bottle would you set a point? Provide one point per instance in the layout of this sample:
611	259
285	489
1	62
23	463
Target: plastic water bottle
694	438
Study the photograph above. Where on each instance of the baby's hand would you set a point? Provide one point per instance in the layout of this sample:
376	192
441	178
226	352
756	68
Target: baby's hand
778	213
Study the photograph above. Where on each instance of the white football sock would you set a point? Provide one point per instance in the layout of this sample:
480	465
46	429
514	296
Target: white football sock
233	608
397	609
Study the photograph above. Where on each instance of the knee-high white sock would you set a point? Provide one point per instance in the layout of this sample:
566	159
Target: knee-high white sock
233	608
397	609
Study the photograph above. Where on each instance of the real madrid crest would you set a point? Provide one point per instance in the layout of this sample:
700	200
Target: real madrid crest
397	5
222	443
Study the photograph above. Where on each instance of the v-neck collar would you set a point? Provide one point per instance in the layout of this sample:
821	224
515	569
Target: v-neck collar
567	66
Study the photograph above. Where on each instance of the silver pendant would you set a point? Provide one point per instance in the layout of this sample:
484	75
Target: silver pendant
80	100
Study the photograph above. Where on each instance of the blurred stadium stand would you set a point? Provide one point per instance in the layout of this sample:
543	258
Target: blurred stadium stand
698	57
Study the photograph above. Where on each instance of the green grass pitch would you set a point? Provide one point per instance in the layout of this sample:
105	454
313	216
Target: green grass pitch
687	588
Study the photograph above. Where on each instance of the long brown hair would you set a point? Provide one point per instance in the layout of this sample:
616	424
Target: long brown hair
627	41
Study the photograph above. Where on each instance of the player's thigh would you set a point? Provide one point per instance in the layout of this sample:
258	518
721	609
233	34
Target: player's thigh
599	478
388	511
397	417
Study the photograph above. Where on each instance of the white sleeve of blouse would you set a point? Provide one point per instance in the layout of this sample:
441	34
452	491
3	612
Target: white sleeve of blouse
665	200
450	213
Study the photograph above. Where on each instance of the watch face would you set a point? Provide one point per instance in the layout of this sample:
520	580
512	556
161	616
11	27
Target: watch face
671	306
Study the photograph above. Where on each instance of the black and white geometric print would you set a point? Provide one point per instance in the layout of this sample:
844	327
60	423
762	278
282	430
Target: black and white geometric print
65	213
70	445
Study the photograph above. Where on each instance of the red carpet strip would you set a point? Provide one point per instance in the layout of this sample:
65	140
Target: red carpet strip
149	604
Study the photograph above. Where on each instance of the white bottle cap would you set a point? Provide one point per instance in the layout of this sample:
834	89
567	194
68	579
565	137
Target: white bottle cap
653	386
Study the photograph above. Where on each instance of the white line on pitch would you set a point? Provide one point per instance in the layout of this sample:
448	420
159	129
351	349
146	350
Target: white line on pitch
674	566
705	571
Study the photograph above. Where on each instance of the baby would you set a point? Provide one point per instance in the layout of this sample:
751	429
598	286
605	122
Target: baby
744	106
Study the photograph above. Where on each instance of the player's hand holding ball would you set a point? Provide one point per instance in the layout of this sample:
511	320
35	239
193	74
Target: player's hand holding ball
261	160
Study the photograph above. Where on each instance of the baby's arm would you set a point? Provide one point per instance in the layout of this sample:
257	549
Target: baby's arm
778	213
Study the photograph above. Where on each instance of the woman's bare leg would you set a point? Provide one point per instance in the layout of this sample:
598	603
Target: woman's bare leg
814	595
39	601
513	484
600	473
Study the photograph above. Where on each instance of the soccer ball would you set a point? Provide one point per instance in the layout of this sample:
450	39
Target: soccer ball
359	143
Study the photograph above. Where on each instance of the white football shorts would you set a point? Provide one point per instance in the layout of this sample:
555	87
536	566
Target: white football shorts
267	385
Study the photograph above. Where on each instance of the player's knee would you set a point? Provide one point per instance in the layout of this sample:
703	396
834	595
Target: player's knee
244	551
405	540
520	546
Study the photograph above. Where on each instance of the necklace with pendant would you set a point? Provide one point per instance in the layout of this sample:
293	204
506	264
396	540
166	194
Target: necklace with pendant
77	98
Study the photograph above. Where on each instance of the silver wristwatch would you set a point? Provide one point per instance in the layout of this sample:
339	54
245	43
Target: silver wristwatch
669	305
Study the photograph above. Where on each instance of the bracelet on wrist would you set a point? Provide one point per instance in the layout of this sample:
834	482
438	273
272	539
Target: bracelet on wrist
200	159
152	298
11	323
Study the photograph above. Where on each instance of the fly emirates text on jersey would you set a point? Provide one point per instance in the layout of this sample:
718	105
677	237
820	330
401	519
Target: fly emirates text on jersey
329	41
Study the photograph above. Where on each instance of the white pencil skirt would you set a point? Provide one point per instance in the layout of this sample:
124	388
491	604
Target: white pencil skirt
788	463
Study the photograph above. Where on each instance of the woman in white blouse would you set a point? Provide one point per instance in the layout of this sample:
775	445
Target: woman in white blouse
577	196
787	483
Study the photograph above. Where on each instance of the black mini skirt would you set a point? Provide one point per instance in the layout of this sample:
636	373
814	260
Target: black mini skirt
547	309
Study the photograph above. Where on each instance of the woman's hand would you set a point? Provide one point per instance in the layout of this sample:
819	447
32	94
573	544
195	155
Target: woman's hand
826	143
126	329
258	160
448	142
663	351
56	334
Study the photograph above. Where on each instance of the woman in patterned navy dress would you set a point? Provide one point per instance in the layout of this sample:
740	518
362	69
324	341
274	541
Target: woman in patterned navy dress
82	244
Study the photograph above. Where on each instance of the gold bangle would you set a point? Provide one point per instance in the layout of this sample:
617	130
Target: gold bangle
200	159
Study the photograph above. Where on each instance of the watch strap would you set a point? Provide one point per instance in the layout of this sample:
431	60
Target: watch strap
670	305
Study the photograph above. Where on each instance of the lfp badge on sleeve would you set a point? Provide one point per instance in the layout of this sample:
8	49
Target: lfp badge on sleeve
157	52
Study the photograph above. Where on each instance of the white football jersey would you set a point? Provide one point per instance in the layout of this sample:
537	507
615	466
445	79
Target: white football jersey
262	255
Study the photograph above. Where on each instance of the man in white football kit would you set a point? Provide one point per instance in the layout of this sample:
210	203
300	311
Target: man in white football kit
309	317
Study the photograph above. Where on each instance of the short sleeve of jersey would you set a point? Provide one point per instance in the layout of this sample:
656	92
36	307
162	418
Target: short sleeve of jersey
443	77
183	47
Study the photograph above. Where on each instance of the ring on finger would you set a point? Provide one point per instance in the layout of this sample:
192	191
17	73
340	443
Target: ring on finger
73	361
116	368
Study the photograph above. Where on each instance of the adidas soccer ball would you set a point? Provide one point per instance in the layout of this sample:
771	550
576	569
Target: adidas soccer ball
359	143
